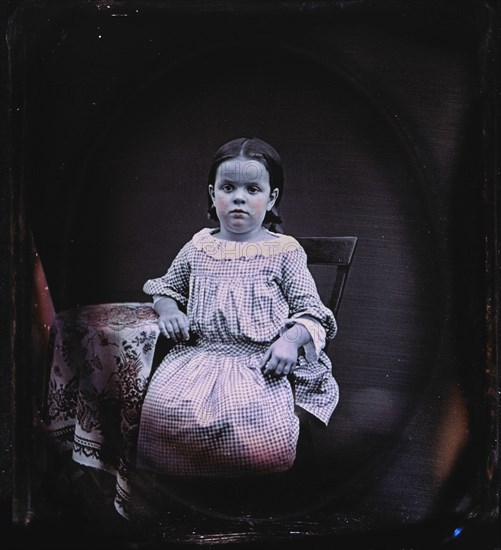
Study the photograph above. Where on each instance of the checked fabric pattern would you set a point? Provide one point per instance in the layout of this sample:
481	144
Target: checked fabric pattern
209	410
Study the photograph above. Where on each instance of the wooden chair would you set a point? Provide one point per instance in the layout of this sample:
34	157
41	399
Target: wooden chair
326	254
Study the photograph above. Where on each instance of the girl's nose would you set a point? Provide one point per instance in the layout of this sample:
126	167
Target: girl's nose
238	197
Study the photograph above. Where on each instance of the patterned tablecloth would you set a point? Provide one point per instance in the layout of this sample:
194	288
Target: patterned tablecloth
101	364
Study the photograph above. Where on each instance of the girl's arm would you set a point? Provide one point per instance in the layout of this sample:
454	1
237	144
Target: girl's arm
170	290
309	322
305	305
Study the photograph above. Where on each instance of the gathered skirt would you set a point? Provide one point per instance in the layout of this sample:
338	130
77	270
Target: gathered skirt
210	411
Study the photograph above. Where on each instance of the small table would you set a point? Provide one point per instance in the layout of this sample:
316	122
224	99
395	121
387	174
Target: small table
101	365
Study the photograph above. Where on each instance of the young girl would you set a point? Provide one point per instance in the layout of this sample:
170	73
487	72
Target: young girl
244	313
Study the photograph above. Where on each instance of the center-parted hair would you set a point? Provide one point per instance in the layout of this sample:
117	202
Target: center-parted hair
252	149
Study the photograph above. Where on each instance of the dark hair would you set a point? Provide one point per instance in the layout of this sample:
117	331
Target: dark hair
251	148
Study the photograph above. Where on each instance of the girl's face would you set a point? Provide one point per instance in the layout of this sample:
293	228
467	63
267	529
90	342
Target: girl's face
242	195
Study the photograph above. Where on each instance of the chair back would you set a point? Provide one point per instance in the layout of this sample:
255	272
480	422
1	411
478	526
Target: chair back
327	254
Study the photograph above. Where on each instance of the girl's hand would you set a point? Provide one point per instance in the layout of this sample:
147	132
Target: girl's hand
174	325
280	358
172	322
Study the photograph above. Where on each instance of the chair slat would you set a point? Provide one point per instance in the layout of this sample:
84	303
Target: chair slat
329	250
335	251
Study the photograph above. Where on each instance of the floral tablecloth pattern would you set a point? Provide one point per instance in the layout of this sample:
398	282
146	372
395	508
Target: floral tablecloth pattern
101	365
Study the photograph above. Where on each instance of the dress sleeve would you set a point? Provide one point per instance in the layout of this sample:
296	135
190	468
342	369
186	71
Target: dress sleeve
305	305
175	283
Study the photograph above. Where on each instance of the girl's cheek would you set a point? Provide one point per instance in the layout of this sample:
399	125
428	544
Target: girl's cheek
220	201
263	203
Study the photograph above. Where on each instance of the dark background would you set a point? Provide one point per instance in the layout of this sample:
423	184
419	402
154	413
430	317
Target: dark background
380	111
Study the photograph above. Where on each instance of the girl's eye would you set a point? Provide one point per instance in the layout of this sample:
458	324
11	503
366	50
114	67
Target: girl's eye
227	187
253	190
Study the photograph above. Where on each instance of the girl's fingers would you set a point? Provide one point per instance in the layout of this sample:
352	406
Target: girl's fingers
163	330
284	368
271	365
288	369
175	328
265	359
170	330
279	368
184	328
185	333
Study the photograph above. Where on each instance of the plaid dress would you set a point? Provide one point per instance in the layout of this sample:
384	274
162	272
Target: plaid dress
209	410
